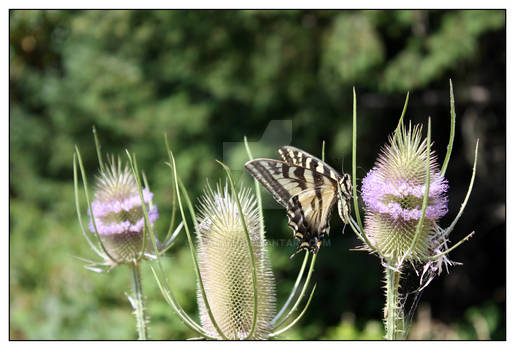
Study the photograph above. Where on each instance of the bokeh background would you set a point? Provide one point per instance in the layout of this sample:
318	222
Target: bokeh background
209	78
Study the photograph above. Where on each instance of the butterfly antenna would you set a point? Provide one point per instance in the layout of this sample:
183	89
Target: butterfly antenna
343	158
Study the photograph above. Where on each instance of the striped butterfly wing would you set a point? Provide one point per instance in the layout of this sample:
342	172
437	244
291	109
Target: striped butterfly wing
319	210
309	213
298	157
280	179
293	155
308	195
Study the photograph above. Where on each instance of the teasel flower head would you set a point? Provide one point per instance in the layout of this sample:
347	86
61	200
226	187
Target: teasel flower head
236	287
121	219
118	214
393	193
226	266
405	196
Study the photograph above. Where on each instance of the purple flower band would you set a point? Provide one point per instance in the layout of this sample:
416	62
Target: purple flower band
124	226
395	210
101	209
377	193
374	186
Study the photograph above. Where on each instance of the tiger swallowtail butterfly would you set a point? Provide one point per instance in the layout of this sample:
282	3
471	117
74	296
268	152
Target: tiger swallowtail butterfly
308	188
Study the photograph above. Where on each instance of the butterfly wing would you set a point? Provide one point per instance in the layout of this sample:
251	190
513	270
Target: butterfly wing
307	195
298	157
309	213
293	155
280	179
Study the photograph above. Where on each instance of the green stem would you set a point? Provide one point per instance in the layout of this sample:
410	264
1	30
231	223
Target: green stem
302	292
354	137
138	302
393	311
294	289
258	192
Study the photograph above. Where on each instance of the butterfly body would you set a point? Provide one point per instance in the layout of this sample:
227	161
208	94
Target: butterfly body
308	188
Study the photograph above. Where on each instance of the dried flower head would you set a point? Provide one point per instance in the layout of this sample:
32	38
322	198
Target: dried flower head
118	213
393	192
226	266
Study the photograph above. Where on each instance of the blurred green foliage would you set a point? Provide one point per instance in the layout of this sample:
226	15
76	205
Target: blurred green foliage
209	77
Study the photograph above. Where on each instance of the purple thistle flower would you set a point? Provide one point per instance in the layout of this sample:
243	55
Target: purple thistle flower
405	195
118	213
110	216
393	193
402	199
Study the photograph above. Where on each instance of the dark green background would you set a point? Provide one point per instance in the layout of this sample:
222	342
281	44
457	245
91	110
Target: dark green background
209	77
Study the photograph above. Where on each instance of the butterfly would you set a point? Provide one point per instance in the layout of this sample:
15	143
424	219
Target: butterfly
308	188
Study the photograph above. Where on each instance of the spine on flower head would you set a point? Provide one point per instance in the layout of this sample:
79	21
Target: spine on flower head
226	269
118	213
393	193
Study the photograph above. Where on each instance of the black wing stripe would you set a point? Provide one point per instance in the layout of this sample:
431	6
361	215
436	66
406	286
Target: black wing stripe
263	175
299	173
295	156
319	181
285	169
297	219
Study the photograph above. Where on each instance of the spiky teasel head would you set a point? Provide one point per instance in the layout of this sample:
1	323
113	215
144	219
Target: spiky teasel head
226	267
393	192
118	213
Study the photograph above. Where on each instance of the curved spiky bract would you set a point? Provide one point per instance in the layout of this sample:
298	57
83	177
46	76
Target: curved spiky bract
226	268
393	192
118	213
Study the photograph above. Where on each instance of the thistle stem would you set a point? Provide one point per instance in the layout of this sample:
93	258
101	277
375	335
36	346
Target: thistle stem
138	302
393	311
